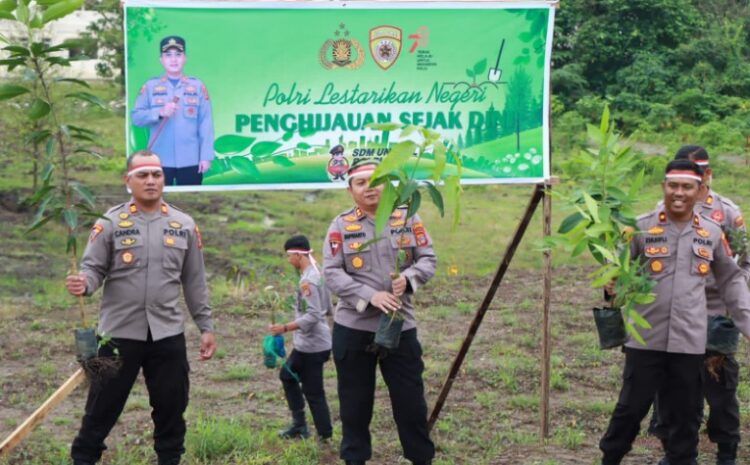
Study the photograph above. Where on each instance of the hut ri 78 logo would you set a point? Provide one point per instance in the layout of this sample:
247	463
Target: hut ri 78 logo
385	45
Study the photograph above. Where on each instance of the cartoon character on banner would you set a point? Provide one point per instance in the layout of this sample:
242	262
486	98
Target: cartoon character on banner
338	165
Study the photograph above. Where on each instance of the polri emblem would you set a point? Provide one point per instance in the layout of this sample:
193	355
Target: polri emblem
95	231
124	216
657	266
703	252
358	262
717	215
175	225
385	45
355	245
127	241
341	52
169	241
703	232
125	224
703	268
353	227
127	257
656	230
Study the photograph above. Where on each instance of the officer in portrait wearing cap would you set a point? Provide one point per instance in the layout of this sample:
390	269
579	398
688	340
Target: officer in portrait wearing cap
177	110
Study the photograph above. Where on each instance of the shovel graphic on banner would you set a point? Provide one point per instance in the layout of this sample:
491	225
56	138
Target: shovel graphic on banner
495	73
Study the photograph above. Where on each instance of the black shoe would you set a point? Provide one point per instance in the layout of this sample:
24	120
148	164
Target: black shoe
82	462
355	462
423	462
169	461
726	453
295	432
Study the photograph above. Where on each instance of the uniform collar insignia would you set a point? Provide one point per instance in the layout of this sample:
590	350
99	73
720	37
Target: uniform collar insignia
164	209
696	221
710	200
132	208
662	218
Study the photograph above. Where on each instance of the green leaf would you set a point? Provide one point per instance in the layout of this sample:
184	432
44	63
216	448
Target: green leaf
84	193
440	161
638	319
87	97
470	73
71	245
60	9
479	67
405	191
7	15
408	130
281	160
396	158
230	143
570	222
264	148
604	125
606	274
304	146
47	171
48	2
7	6
385	208
384	126
22	12
436	196
17	50
592	207
73	81
307	132
607	254
452	196
630	329
287	136
244	166
71	219
414	203
38	109
8	91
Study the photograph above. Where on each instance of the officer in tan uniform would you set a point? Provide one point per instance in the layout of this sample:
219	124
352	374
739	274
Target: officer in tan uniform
361	277
143	253
720	386
679	249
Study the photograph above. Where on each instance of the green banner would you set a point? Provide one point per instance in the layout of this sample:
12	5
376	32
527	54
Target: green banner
279	95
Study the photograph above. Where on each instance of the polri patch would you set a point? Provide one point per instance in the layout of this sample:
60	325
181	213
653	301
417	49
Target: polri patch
127	257
95	231
717	215
334	240
358	262
305	288
198	237
657	266
128	241
703	268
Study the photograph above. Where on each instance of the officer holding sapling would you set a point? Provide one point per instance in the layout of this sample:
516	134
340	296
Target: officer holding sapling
679	249
360	270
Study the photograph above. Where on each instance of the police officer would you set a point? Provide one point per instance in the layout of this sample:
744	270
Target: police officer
679	249
719	387
361	277
312	345
143	253
177	110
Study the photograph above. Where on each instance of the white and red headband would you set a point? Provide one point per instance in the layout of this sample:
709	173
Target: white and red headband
364	171
671	174
144	167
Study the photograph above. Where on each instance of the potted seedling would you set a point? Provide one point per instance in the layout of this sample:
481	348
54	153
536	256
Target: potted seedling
399	171
603	223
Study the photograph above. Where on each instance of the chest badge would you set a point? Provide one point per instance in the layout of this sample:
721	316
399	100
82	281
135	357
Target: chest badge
169	241
703	268
175	225
656	230
703	252
123	216
355	245
125	224
127	241
657	266
353	227
127	257
703	233
397	223
358	262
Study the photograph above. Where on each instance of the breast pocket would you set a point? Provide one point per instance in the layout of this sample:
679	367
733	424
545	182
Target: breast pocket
660	260
128	255
701	261
405	242
174	252
357	258
190	109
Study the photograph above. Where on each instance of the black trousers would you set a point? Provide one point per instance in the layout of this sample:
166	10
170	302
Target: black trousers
723	424
165	368
308	367
678	377
187	176
402	371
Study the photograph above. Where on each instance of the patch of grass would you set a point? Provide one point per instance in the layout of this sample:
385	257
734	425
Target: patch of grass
569	437
236	373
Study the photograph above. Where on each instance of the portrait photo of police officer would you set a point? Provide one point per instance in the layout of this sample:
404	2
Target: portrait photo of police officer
683	252
144	253
358	269
177	111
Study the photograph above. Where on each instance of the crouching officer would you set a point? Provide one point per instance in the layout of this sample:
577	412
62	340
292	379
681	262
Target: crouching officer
312	345
679	249
720	370
143	253
361	278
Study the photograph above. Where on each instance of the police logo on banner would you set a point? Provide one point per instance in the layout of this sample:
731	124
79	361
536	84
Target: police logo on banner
385	45
341	52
